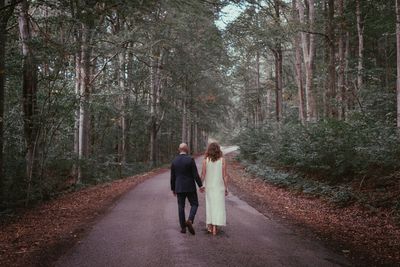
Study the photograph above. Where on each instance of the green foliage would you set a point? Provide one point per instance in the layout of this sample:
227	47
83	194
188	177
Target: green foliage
333	149
173	46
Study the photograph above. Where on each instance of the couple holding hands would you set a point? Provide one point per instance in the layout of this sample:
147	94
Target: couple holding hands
213	182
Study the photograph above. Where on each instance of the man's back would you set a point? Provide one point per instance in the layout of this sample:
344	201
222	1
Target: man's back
184	174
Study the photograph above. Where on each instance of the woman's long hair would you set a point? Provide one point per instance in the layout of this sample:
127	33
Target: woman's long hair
213	152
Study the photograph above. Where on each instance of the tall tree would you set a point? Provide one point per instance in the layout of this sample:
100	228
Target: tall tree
6	10
341	96
360	33
278	63
398	60
298	64
259	117
330	39
29	89
309	48
84	76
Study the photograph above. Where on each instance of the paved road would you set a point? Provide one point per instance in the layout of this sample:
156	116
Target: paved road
142	230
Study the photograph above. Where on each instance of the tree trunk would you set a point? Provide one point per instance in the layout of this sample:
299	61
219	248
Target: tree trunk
331	88
360	33
29	94
189	130
278	82
341	96
3	41
269	93
308	46
278	67
349	91
195	136
298	65
398	60
122	106
155	84
6	14
84	95
258	88
184	115
76	168
184	122
152	104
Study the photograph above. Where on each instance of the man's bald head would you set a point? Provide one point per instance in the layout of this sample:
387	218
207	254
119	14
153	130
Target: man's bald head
183	148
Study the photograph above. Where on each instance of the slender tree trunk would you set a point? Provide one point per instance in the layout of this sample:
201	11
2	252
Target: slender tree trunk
278	83
349	89
156	83
190	119
6	14
29	92
76	168
331	90
299	82
341	96
153	125
258	88
269	93
308	46
278	66
122	106
184	115
360	33
184	122
298	65
195	136
84	76
398	60
189	130
3	41
130	76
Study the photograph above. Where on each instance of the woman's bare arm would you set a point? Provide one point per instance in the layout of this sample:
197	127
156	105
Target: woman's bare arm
203	170
225	174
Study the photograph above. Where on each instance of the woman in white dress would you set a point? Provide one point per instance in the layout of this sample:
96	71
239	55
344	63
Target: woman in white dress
215	177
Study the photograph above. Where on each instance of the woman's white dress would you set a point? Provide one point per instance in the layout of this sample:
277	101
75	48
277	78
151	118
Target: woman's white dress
215	193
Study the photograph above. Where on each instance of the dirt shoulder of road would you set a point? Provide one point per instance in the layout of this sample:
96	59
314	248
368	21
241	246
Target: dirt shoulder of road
366	239
38	236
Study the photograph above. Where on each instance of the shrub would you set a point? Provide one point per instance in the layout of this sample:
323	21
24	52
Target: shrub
333	149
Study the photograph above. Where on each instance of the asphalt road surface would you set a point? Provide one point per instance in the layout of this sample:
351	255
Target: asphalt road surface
142	229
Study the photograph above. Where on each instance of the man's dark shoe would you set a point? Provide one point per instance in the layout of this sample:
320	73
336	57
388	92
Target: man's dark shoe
183	230
189	225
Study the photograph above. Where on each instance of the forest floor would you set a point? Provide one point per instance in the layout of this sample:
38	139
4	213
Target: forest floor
370	239
42	234
38	236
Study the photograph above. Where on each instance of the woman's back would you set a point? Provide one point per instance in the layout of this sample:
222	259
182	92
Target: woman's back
214	179
215	193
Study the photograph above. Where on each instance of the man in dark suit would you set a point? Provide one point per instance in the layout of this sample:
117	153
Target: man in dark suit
184	177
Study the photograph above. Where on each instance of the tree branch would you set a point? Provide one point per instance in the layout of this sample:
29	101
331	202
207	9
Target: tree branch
102	68
316	33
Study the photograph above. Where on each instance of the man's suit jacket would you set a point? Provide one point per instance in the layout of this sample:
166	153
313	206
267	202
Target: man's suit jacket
184	174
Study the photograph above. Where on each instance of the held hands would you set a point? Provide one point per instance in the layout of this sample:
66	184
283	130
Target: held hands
203	189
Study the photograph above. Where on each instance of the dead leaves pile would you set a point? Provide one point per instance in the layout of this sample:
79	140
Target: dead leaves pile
362	235
39	235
